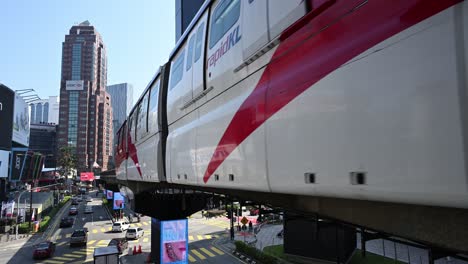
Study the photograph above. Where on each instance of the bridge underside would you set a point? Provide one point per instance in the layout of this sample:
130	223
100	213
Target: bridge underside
443	229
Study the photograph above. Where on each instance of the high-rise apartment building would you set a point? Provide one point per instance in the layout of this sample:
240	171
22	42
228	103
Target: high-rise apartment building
122	102
45	111
85	118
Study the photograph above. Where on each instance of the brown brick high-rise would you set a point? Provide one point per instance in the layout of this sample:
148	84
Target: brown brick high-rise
85	119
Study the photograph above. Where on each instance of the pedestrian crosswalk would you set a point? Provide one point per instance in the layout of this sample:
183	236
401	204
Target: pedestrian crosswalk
81	255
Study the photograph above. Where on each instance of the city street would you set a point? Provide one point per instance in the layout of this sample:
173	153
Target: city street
202	233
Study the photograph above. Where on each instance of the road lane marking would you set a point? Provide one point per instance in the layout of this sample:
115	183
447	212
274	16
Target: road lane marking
53	261
62	258
58	237
145	240
109	228
91	242
198	254
94	231
208	236
191	259
71	255
61	243
217	251
145	223
103	230
190	238
138	224
103	241
67	235
206	251
80	252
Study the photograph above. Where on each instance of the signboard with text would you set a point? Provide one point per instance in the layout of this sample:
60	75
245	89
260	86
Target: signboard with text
74	85
7	98
21	121
87	176
118	201
174	241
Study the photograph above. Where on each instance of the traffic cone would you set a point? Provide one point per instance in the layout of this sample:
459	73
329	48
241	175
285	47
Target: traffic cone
134	250
139	249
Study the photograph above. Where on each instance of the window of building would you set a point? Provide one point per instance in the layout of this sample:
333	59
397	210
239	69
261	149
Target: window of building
177	70
198	45
224	17
190	52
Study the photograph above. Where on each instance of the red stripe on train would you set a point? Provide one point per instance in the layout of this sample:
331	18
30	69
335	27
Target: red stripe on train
311	52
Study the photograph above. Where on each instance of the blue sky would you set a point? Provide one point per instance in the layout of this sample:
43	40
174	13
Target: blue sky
139	35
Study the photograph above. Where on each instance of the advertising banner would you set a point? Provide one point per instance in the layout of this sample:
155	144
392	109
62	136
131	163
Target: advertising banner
28	167
7	209
21	121
109	195
16	164
119	201
74	85
7	98
174	241
87	176
4	160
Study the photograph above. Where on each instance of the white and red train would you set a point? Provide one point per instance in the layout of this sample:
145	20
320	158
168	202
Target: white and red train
358	99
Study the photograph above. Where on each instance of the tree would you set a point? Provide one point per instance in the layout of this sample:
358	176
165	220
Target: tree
67	161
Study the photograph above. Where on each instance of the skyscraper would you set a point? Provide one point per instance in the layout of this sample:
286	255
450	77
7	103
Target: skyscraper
85	119
122	102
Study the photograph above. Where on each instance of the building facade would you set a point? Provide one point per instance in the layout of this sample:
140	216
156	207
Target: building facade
43	139
185	11
85	116
45	111
122	102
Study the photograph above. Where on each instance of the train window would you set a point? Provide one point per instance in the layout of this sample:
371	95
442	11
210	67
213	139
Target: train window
131	129
224	17
198	46
142	124
153	108
177	70
190	52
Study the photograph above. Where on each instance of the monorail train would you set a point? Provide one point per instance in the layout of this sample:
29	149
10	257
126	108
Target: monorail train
358	99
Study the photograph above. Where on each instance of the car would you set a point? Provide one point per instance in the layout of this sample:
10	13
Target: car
74	201
121	244
73	211
79	199
44	250
79	236
67	222
89	199
88	210
134	233
120	226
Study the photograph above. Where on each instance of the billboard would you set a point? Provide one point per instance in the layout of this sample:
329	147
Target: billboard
74	85
21	121
118	201
87	176
4	158
7	209
7	98
18	157
109	195
174	241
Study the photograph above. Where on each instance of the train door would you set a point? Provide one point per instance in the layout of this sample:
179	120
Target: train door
224	48
181	116
198	67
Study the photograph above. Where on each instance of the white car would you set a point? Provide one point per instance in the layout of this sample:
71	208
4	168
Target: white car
120	226
134	233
